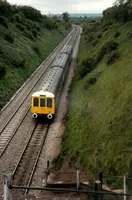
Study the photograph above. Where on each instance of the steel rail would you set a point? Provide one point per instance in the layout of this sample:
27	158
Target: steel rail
17	127
37	159
16	170
31	132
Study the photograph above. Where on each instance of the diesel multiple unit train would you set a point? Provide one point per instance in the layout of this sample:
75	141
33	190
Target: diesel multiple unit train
44	101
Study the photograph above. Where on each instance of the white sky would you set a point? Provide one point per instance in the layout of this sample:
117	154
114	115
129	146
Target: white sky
71	6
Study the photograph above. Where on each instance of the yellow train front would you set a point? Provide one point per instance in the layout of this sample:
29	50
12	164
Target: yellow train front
43	101
43	104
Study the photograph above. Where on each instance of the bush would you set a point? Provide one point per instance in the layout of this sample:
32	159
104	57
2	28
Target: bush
20	27
5	8
36	49
19	17
37	27
90	82
112	58
107	48
11	57
99	35
87	66
95	41
117	34
35	33
29	34
2	70
31	13
49	23
89	37
4	21
9	37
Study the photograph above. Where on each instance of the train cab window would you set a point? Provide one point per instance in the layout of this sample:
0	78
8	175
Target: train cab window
49	102
42	102
35	102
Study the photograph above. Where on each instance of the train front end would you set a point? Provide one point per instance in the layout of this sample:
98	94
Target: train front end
43	104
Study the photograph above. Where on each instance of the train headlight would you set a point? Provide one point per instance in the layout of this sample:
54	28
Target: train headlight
49	116
34	115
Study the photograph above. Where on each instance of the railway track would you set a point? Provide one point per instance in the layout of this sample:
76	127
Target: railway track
13	122
30	156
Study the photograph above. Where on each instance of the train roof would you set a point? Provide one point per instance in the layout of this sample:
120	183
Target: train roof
66	49
43	93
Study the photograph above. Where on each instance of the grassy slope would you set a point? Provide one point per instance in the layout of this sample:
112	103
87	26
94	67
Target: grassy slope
99	128
24	48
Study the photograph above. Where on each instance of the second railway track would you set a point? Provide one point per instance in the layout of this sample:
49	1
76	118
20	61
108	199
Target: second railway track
29	158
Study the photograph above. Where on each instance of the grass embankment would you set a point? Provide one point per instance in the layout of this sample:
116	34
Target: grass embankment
32	53
99	127
26	39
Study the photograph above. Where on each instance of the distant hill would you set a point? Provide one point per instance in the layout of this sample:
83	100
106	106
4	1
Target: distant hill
89	15
77	15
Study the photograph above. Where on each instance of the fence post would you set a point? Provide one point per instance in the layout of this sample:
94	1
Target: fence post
46	175
7	187
101	178
124	186
78	179
98	188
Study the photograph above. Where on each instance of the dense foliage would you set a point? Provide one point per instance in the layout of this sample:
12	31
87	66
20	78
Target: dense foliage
26	38
121	11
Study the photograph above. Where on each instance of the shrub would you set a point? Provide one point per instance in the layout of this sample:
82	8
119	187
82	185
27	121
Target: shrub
37	27
110	46
4	21
9	37
36	49
87	66
19	17
29	34
117	34
20	27
11	57
90	82
99	35
107	48
31	13
5	8
35	33
49	23
2	70
89	37
95	41
112	58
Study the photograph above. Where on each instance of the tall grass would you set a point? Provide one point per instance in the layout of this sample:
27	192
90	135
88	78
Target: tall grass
99	125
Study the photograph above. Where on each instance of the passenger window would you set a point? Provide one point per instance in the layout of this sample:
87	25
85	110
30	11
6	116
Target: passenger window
35	102
49	102
42	102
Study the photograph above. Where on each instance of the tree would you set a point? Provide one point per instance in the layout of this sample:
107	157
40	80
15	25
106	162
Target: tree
66	17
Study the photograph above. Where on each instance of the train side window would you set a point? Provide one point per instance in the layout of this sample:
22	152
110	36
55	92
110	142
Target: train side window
35	102
42	102
49	102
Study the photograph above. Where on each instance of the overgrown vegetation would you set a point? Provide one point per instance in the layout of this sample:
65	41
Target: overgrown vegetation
99	128
27	37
